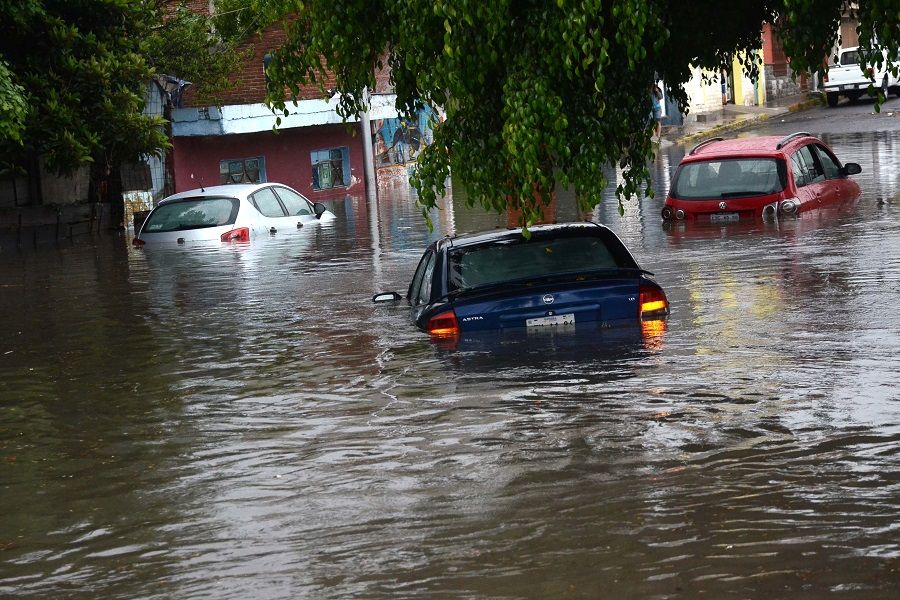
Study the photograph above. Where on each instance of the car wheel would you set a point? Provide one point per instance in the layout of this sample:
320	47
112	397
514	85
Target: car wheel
832	98
896	91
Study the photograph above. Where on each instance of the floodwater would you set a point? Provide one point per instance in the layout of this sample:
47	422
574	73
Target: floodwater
242	422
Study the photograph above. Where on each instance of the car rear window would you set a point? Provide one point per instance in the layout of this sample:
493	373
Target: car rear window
192	213
850	57
512	260
731	178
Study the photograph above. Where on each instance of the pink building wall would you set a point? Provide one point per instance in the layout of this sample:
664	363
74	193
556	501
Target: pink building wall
286	153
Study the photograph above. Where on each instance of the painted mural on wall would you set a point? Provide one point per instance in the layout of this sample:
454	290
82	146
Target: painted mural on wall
400	141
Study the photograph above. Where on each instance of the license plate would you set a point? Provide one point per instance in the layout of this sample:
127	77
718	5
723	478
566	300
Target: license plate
724	217
568	319
845	87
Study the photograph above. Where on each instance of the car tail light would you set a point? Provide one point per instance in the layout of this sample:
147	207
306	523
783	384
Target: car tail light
653	302
241	234
870	72
443	324
137	242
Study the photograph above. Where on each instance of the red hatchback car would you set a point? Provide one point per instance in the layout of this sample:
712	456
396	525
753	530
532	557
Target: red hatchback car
721	181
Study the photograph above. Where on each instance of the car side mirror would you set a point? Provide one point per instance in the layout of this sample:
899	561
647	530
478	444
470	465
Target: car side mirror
851	169
386	297
319	208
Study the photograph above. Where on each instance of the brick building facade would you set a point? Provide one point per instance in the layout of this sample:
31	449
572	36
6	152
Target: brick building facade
312	150
778	76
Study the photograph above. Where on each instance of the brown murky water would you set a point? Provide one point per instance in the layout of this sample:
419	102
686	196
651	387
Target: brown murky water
244	423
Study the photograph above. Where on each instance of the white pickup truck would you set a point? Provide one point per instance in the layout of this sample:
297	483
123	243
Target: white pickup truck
846	78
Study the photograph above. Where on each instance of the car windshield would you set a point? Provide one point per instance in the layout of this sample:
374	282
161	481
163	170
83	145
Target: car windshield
192	213
730	178
516	260
850	57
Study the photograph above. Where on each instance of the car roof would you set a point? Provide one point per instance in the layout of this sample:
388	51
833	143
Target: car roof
232	190
762	146
539	231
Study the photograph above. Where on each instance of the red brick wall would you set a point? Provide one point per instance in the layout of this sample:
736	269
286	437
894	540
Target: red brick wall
773	53
383	77
250	80
197	6
287	157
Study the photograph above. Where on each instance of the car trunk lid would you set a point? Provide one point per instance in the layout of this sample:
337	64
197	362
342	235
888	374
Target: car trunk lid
583	300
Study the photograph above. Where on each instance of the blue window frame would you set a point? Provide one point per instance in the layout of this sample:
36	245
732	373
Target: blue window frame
330	168
243	170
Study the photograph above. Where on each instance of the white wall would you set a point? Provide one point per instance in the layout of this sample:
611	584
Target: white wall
703	97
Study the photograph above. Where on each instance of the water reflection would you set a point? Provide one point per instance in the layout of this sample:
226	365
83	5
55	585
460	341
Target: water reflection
595	354
241	421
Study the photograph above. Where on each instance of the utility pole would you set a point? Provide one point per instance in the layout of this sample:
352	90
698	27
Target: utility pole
368	154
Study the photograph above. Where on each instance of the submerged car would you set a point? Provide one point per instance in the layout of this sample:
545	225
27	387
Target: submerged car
229	213
566	275
721	181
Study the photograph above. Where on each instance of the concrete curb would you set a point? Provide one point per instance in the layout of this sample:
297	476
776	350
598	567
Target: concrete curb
721	128
807	104
739	124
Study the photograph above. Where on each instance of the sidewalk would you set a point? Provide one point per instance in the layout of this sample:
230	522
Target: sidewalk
733	117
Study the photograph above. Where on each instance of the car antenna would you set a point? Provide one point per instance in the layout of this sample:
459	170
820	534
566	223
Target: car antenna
202	188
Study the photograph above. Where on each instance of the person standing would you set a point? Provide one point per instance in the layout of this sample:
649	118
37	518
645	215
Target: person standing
656	96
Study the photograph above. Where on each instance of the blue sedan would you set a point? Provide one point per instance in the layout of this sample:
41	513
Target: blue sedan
562	276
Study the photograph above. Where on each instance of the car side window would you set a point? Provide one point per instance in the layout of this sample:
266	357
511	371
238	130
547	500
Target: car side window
267	203
829	163
294	202
799	168
424	295
806	170
415	288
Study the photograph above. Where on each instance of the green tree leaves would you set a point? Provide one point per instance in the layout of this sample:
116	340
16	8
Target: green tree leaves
73	74
187	45
81	76
13	107
538	94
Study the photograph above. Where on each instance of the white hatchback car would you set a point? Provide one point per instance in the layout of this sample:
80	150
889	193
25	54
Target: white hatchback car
229	213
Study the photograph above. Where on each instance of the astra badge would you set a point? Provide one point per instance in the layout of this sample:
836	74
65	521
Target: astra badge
548	298
722	205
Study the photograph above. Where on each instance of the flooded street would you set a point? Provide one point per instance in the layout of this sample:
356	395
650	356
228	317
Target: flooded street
242	422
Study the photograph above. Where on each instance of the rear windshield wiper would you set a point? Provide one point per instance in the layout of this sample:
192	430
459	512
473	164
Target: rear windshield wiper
739	194
195	226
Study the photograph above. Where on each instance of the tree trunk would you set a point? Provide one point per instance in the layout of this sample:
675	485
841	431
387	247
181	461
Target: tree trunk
113	196
107	189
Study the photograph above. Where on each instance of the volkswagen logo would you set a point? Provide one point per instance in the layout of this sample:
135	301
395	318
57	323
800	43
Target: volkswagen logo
722	206
548	298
